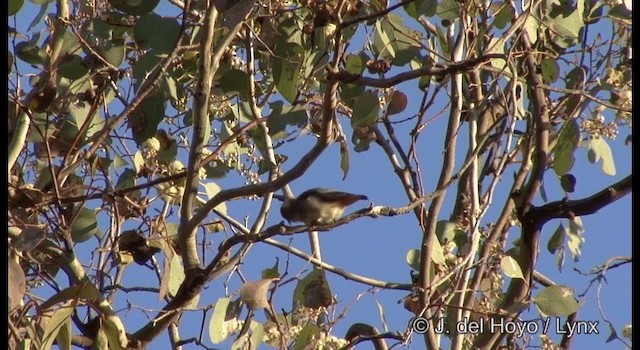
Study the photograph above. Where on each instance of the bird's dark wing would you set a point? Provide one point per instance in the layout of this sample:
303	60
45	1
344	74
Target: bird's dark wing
327	195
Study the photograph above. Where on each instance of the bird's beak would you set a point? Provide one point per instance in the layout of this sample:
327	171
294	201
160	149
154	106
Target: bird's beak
279	197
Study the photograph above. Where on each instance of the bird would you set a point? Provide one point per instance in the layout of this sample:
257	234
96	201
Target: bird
317	206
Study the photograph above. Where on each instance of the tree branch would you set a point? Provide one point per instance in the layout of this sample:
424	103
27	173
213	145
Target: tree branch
581	207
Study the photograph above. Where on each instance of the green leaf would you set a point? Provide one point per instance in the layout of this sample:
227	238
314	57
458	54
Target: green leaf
55	324
568	140
145	119
496	46
135	7
556	301
576	238
448	231
503	14
63	339
155	32
212	189
565	23
550	70
421	7
176	275
43	11
218	333
306	335
17	284
448	10
286	69
350	93
281	116
598	149
313	291
510	267
144	67
620	11
115	332
126	179
30	53
251	342
381	42
85	291
235	81
271	272
355	64
15	6
413	259
105	39
73	68
224	320
437	253
84	226
365	111
344	157
557	239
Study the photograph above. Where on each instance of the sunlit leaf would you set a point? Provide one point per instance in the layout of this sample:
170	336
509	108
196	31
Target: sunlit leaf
550	70
55	324
598	149
17	284
306	335
413	259
250	342
510	267
115	332
176	275
211	189
556	301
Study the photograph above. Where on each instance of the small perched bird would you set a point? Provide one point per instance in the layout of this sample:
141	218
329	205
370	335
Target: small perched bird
317	206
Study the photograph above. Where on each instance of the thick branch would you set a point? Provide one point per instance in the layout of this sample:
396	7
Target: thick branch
582	207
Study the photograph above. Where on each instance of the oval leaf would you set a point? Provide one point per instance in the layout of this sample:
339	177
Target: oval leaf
511	267
224	320
84	226
17	284
599	149
398	103
313	291
556	301
568	140
413	259
557	239
365	110
55	323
